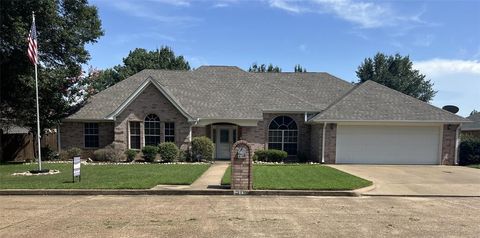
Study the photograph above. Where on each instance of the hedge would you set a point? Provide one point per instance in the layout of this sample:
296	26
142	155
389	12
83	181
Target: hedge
469	151
270	155
168	151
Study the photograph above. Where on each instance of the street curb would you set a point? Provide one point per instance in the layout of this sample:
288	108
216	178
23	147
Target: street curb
132	192
422	195
362	191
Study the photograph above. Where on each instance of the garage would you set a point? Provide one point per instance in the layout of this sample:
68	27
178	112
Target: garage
356	144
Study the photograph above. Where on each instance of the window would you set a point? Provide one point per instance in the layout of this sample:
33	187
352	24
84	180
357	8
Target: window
91	135
152	130
134	135
169	132
283	135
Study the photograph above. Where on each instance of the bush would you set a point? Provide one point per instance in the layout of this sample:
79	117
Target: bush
184	156
469	151
130	155
202	148
168	151
49	154
108	154
70	153
149	153
270	155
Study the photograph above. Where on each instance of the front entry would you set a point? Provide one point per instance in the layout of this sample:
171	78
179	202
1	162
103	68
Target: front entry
224	137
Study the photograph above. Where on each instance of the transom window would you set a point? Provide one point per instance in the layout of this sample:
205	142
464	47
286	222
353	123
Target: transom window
152	130
134	135
169	132
91	135
283	135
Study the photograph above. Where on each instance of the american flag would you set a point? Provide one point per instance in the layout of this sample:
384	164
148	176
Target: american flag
32	44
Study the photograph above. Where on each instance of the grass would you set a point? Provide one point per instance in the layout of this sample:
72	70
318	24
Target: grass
301	177
136	176
475	166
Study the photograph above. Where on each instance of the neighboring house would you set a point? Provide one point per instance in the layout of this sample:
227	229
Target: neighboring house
472	129
306	114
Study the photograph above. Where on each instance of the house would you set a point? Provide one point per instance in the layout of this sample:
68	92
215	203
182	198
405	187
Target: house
472	129
315	115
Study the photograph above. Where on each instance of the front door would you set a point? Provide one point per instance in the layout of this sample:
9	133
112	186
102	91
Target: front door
225	136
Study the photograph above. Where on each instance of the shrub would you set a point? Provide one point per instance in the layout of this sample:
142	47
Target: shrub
270	155
168	151
202	148
469	151
149	153
130	155
184	156
108	154
70	153
49	154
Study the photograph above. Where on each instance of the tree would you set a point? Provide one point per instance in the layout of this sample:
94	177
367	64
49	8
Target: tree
474	112
63	29
396	72
255	68
136	61
299	69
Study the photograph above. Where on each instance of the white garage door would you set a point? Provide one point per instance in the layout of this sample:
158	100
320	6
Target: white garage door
388	144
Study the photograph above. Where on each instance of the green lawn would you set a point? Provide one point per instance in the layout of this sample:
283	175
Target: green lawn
476	166
136	176
301	177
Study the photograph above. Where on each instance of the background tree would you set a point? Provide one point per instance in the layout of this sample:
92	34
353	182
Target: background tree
136	61
396	72
63	29
262	68
299	69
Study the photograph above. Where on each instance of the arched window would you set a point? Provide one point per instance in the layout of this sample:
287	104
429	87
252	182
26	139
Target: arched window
152	130
283	135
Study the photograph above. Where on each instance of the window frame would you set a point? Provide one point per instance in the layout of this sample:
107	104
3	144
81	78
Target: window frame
130	135
88	133
288	135
168	135
155	121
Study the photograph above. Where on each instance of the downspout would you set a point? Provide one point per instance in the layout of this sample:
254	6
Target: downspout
190	130
323	142
457	143
306	117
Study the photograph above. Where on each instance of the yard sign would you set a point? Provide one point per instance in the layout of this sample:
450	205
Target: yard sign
76	168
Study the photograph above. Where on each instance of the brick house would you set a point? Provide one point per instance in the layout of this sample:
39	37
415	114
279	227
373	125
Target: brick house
314	115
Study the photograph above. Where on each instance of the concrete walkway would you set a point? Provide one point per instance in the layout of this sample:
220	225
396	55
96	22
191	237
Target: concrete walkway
212	178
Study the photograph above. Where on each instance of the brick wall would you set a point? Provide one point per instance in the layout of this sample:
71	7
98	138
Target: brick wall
254	135
72	134
316	134
151	101
449	139
330	143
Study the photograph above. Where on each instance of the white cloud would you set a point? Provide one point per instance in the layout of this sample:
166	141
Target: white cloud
125	38
457	82
365	14
302	47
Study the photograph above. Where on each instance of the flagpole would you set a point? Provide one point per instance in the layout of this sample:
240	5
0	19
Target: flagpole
38	112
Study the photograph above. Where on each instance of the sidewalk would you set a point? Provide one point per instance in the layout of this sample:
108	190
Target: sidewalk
212	178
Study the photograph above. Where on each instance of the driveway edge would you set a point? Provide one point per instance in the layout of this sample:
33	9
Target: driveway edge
132	192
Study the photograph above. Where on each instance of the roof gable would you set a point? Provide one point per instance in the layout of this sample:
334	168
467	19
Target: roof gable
371	101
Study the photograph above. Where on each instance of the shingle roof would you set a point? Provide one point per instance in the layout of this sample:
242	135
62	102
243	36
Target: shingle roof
225	92
371	101
474	124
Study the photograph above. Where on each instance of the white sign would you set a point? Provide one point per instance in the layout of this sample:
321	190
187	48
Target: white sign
76	166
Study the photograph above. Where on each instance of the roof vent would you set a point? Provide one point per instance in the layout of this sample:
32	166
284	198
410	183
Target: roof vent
451	108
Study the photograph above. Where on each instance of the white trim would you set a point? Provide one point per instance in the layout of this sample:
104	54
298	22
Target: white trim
87	120
440	146
239	122
323	142
149	80
457	143
383	121
289	111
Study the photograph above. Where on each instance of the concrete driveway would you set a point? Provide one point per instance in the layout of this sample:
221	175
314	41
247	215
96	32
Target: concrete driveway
418	179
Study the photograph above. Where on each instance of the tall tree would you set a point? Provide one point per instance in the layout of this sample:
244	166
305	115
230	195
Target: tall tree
63	29
299	69
396	72
262	68
136	61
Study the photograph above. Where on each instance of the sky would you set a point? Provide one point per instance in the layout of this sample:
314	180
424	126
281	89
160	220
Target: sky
442	38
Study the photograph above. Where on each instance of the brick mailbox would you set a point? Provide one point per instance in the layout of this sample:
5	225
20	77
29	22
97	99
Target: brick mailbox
242	172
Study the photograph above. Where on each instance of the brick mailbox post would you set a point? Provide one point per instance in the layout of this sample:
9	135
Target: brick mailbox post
242	172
